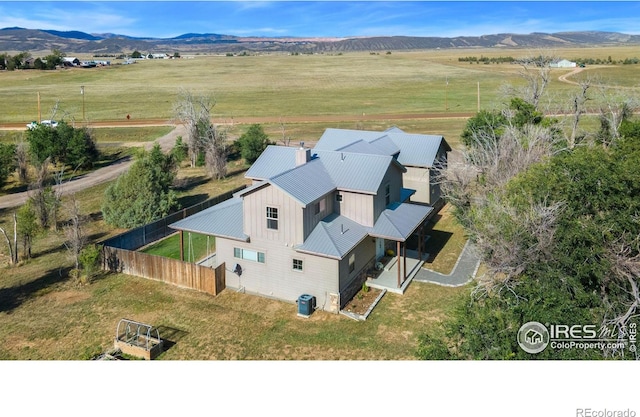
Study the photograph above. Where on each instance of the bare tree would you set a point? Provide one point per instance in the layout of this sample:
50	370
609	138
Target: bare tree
509	238
614	106
216	151
536	71
286	140
74	233
39	194
22	159
195	113
13	249
624	255
578	104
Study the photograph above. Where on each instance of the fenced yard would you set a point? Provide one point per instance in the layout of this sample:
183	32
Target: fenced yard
170	271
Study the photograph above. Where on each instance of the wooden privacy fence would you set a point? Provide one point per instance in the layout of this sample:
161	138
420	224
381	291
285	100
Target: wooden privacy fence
149	233
171	271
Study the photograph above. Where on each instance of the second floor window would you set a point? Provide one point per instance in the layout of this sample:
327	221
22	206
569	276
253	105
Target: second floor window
272	218
387	194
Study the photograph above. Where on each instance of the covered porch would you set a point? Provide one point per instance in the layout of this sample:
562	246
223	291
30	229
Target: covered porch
397	224
387	279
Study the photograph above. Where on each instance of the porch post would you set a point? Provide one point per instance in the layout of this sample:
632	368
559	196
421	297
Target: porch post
398	261
420	241
404	256
181	246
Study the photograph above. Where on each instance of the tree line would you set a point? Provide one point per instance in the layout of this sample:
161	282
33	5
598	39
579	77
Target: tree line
23	60
553	214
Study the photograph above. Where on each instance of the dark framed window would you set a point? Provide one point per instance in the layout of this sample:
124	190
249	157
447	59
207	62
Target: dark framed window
272	218
297	264
387	194
249	255
338	197
352	262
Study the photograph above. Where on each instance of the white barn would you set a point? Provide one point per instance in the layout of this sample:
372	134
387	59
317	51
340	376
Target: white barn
563	63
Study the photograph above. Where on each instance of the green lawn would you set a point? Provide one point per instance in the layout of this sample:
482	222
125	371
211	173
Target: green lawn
196	246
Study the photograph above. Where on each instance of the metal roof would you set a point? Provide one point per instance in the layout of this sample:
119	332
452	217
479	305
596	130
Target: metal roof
305	183
417	150
363	146
355	171
273	161
399	221
334	237
325	172
224	219
414	149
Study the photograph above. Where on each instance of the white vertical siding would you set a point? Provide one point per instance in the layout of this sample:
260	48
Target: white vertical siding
418	179
276	277
311	219
358	207
290	219
364	252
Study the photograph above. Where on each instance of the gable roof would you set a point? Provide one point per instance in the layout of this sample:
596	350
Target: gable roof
333	237
411	149
399	221
325	172
305	183
274	160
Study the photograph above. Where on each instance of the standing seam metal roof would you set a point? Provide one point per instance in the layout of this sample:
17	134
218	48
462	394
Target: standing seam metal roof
223	219
414	149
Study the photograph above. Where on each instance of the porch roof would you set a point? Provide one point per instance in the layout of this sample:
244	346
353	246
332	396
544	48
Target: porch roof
399	221
334	237
224	220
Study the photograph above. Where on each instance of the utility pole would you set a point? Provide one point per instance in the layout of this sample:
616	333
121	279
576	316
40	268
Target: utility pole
446	87
82	93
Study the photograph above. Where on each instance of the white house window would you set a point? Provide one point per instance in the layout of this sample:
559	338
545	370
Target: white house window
297	264
272	218
249	255
319	207
352	262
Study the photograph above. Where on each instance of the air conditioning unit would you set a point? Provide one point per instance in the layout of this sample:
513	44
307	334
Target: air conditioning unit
306	305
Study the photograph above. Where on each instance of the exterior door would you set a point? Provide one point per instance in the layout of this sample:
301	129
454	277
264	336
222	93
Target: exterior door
379	248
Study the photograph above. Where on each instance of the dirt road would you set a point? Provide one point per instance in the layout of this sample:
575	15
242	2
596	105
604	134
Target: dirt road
563	78
98	176
166	142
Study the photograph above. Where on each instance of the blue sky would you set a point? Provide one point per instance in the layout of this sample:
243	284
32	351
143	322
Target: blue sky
322	19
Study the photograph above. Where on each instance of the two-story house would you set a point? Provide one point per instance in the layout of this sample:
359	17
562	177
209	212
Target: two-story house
312	222
421	155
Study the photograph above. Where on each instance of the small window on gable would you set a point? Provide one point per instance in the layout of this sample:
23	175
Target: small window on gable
352	262
272	218
319	207
297	264
338	197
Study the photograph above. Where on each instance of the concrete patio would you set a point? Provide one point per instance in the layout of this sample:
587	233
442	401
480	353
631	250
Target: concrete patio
388	278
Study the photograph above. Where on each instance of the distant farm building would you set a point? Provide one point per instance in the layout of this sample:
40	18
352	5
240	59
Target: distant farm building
70	61
563	63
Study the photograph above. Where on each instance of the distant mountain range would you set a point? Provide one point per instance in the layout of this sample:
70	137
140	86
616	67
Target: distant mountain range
34	40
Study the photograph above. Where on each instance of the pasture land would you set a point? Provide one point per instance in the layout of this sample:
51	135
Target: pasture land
280	85
44	315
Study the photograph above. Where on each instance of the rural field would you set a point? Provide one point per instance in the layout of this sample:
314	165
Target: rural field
45	315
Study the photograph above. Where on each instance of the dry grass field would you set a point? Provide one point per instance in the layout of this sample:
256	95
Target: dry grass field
276	85
45	315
